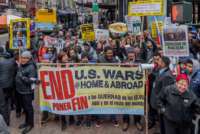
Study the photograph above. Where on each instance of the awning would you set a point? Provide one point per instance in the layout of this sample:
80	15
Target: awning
5	20
65	12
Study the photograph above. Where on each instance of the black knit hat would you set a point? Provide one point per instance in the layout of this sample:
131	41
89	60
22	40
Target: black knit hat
84	54
166	60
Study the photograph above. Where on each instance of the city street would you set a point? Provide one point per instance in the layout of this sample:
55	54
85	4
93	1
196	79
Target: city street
3	38
99	66
54	127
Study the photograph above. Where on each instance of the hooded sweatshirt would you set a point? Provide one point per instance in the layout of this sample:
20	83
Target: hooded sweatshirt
195	79
196	67
91	51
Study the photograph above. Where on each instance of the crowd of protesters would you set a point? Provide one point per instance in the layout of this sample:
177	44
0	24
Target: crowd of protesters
173	99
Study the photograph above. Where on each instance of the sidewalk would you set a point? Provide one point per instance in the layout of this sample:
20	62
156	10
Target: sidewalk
54	127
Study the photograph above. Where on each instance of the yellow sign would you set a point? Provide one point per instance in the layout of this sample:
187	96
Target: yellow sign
88	33
146	8
118	28
154	28
46	15
20	33
92	90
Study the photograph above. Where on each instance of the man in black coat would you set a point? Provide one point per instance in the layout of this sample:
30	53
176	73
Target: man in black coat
131	62
152	78
7	72
163	79
108	56
25	80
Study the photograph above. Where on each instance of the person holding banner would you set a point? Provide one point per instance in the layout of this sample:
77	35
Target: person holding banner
178	105
119	52
25	84
88	49
137	118
84	60
152	77
108	57
64	59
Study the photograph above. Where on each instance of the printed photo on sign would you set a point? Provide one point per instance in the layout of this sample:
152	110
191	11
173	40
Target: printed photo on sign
20	43
20	34
175	40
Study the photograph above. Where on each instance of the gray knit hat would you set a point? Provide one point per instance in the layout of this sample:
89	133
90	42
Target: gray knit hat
26	54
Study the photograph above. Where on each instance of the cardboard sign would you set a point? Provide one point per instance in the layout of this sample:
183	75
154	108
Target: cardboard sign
20	33
96	19
146	8
133	24
54	42
92	90
87	31
99	33
119	28
175	40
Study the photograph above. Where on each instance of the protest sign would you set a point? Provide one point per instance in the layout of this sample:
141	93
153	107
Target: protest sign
133	24
101	33
95	19
175	40
154	28
92	90
118	28
46	15
87	31
157	21
146	8
54	42
20	33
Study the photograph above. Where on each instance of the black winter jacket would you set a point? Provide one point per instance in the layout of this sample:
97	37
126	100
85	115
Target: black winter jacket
178	107
103	59
7	70
26	78
161	81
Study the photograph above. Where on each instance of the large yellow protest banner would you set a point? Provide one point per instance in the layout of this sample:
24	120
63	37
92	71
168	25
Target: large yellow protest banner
146	8
87	31
46	15
92	90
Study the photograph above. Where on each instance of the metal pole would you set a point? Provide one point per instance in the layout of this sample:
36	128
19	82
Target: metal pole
146	120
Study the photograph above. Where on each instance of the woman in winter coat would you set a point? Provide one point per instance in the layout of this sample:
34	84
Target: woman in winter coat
178	105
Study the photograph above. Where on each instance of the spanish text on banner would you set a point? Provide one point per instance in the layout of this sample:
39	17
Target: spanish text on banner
92	90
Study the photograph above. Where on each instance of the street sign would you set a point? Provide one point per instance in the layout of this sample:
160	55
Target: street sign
95	8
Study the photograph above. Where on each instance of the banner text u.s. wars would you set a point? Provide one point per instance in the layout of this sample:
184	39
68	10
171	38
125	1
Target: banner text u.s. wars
92	90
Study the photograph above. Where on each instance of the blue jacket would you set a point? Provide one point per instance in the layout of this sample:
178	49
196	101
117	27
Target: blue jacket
195	83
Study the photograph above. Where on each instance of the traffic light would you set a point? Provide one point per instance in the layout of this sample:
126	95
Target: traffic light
182	12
